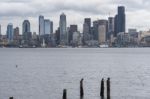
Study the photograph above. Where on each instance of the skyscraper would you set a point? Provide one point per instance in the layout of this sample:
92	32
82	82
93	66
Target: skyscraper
26	30
47	27
16	33
96	25
10	31
63	29
102	34
51	27
41	25
87	29
111	27
0	31
120	20
72	29
88	22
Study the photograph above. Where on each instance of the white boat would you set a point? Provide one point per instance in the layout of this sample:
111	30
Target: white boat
104	46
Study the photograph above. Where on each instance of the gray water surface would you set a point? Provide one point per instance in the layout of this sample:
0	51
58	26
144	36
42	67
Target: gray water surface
44	73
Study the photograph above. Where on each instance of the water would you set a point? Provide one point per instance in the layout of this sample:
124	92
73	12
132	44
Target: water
44	73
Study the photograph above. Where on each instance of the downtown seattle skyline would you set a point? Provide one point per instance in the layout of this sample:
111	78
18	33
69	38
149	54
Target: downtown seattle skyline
75	12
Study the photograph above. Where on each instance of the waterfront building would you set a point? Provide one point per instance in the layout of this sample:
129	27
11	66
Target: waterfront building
76	39
133	37
123	39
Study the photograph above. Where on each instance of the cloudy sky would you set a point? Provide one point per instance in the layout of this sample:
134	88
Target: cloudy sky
15	11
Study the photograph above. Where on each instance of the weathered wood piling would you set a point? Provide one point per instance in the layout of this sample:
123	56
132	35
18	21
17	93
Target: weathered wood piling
11	97
81	89
108	88
64	94
102	88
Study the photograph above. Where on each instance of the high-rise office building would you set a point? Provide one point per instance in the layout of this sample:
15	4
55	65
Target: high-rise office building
96	25
111	24
120	20
16	33
63	29
88	22
0	31
47	27
72	29
87	29
41	25
86	34
51	26
102	34
57	36
111	27
26	30
10	32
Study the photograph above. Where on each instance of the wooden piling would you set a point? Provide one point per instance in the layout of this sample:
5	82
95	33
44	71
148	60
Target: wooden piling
102	88
108	88
81	89
64	94
10	97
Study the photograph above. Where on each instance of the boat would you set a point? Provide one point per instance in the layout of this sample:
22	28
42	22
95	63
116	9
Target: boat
104	46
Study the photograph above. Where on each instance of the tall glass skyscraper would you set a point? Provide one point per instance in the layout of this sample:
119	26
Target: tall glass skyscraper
10	31
120	20
47	27
41	25
63	29
111	27
26	30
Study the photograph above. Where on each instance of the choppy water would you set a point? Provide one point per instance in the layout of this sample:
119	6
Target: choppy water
44	73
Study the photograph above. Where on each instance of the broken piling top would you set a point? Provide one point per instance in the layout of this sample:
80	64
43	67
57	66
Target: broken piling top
82	80
64	94
108	88
11	98
102	88
102	79
108	82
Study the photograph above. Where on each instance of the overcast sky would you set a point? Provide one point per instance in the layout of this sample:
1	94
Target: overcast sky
15	11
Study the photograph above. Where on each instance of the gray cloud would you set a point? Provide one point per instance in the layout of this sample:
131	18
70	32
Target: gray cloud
15	1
